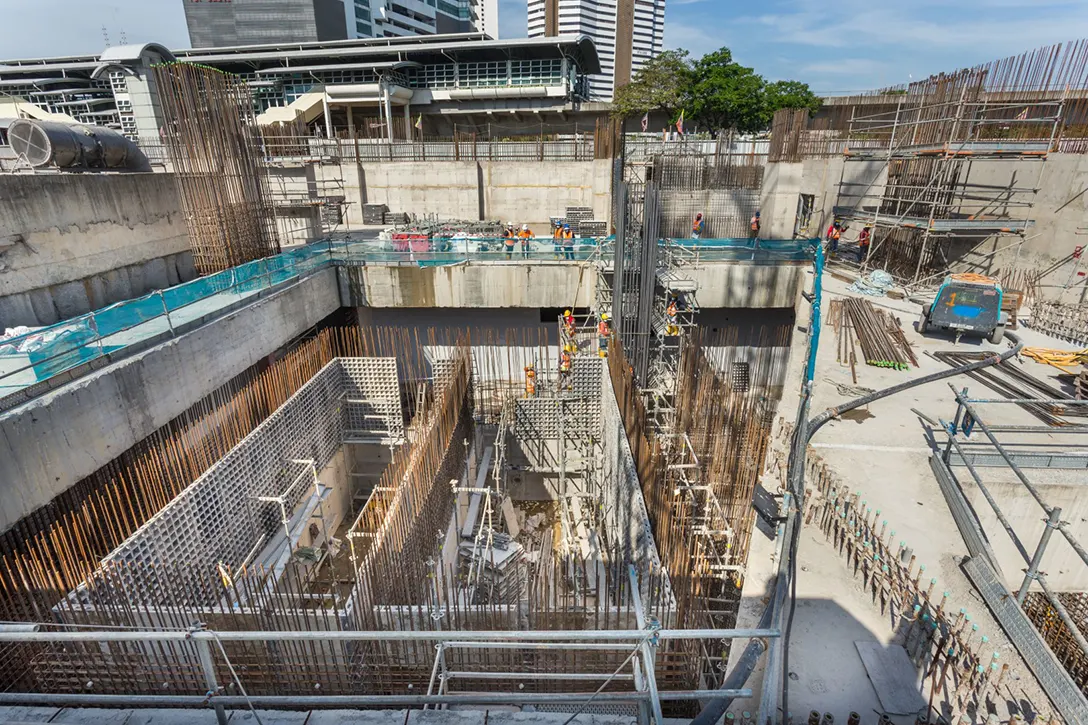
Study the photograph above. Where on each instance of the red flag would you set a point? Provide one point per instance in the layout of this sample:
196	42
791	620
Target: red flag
680	123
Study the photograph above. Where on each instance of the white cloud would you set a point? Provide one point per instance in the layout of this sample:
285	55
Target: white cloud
693	38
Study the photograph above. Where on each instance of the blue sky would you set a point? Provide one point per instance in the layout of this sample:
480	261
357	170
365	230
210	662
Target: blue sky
833	45
852	45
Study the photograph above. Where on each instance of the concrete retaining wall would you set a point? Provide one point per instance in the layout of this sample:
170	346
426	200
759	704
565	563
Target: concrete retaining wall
1061	220
525	192
735	284
1064	569
1060	213
52	442
71	243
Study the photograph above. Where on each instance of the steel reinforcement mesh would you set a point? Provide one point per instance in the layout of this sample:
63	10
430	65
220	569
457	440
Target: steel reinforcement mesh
219	519
254	601
372	402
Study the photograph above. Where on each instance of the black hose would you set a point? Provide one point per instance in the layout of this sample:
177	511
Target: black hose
796	470
738	676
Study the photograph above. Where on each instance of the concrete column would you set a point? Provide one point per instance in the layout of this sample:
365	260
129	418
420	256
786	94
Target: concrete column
351	122
778	199
408	122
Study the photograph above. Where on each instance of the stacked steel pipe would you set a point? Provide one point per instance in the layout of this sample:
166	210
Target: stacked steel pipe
881	336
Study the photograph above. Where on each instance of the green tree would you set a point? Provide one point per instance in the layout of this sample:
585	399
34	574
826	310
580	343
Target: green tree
788	94
661	84
725	94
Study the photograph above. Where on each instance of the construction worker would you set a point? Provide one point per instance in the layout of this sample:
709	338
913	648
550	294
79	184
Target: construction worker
508	241
753	226
864	239
530	380
670	312
568	242
698	226
834	234
564	370
604	331
569	324
525	235
557	239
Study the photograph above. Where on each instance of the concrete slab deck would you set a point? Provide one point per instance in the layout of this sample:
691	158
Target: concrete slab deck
882	453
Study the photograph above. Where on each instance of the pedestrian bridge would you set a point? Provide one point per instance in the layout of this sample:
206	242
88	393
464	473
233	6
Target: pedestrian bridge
454	273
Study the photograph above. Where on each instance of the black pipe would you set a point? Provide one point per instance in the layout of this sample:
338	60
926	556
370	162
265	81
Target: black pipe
796	473
739	675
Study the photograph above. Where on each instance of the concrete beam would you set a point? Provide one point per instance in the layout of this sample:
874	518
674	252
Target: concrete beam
738	284
52	442
479	284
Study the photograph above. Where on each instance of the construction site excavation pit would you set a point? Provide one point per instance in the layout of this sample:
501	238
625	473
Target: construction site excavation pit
431	486
382	497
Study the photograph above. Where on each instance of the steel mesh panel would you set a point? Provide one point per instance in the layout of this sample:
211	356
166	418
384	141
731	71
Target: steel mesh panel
218	517
373	380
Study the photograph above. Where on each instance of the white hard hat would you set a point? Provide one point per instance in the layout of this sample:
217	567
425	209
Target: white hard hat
525	227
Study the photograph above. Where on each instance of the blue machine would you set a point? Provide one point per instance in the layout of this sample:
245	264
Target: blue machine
966	305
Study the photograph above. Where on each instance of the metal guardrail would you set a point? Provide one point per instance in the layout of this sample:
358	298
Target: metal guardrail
638	669
983	566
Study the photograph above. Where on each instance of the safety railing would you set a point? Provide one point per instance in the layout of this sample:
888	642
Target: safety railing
637	670
32	360
766	251
47	352
1023	452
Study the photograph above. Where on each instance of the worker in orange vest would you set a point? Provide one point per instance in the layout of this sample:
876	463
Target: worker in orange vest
557	239
697	226
530	380
568	324
525	235
753	226
564	370
834	234
671	312
508	241
864	239
604	331
568	242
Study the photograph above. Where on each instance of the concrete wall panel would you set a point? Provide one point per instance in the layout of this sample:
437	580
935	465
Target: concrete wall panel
54	441
524	192
479	285
72	233
747	285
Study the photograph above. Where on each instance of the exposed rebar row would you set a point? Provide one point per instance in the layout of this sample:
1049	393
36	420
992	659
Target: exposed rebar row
209	129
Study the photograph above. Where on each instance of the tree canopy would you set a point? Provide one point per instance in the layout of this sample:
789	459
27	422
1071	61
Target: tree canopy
714	91
658	86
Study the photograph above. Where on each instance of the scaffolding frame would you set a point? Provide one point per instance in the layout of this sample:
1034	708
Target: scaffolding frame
931	144
925	138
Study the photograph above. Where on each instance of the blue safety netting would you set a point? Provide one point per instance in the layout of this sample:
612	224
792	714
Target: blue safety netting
48	351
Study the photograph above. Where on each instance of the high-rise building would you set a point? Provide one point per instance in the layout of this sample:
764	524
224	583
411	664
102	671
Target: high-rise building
628	33
215	23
